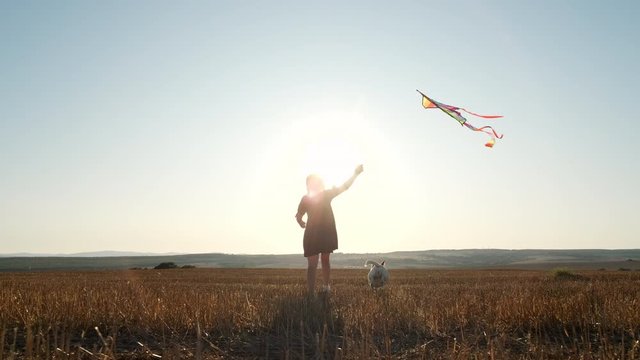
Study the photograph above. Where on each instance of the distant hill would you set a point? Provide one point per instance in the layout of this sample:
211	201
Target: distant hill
471	258
111	253
104	253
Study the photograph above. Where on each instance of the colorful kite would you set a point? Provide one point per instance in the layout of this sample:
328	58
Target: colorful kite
454	112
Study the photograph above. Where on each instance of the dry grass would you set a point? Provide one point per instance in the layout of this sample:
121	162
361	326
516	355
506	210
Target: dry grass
223	313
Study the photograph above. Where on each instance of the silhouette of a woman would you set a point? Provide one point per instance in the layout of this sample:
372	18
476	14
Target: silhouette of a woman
320	235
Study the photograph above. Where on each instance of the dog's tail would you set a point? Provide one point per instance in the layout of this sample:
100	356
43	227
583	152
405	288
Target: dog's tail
371	262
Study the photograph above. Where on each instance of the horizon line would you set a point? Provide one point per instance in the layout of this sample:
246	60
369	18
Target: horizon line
120	253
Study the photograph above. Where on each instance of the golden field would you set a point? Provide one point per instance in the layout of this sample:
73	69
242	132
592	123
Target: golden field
265	313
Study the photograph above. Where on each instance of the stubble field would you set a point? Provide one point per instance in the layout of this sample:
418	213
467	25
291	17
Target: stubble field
265	313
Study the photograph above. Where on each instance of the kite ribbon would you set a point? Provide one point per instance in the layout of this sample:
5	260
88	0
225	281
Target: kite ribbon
483	129
482	116
491	133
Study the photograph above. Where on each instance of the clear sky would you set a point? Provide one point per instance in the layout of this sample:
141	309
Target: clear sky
168	126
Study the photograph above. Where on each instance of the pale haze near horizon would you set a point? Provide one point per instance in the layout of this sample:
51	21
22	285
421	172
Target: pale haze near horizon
188	127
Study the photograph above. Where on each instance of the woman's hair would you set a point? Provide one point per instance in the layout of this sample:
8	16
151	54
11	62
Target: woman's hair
314	183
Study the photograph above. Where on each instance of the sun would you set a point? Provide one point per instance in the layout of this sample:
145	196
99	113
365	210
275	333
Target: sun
331	144
333	157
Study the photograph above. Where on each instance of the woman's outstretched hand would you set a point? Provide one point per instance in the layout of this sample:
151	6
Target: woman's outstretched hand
359	169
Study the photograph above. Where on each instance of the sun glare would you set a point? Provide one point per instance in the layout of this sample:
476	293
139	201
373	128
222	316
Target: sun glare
332	146
332	157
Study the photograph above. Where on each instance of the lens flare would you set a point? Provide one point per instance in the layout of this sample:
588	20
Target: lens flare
334	158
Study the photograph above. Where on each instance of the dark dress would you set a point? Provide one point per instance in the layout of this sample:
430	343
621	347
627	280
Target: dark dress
320	235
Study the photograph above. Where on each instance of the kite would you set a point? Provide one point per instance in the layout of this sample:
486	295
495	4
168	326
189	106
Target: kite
455	113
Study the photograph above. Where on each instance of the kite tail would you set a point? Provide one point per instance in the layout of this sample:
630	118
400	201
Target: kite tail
482	116
485	130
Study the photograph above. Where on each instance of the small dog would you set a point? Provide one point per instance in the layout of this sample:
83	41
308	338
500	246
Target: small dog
378	275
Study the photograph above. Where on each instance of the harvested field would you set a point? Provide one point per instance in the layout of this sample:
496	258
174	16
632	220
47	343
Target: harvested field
265	313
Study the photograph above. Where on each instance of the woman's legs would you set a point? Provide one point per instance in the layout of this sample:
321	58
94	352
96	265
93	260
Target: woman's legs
312	265
326	270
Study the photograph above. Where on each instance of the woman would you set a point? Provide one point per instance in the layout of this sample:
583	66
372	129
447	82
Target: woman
320	235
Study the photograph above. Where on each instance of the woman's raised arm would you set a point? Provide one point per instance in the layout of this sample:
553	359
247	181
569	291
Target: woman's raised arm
347	184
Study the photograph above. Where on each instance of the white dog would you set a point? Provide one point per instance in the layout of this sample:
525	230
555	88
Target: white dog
378	275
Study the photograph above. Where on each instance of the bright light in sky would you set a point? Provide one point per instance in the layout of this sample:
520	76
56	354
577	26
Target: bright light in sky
331	157
331	145
171	127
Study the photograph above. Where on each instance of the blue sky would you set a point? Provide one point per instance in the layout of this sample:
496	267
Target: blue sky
190	127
